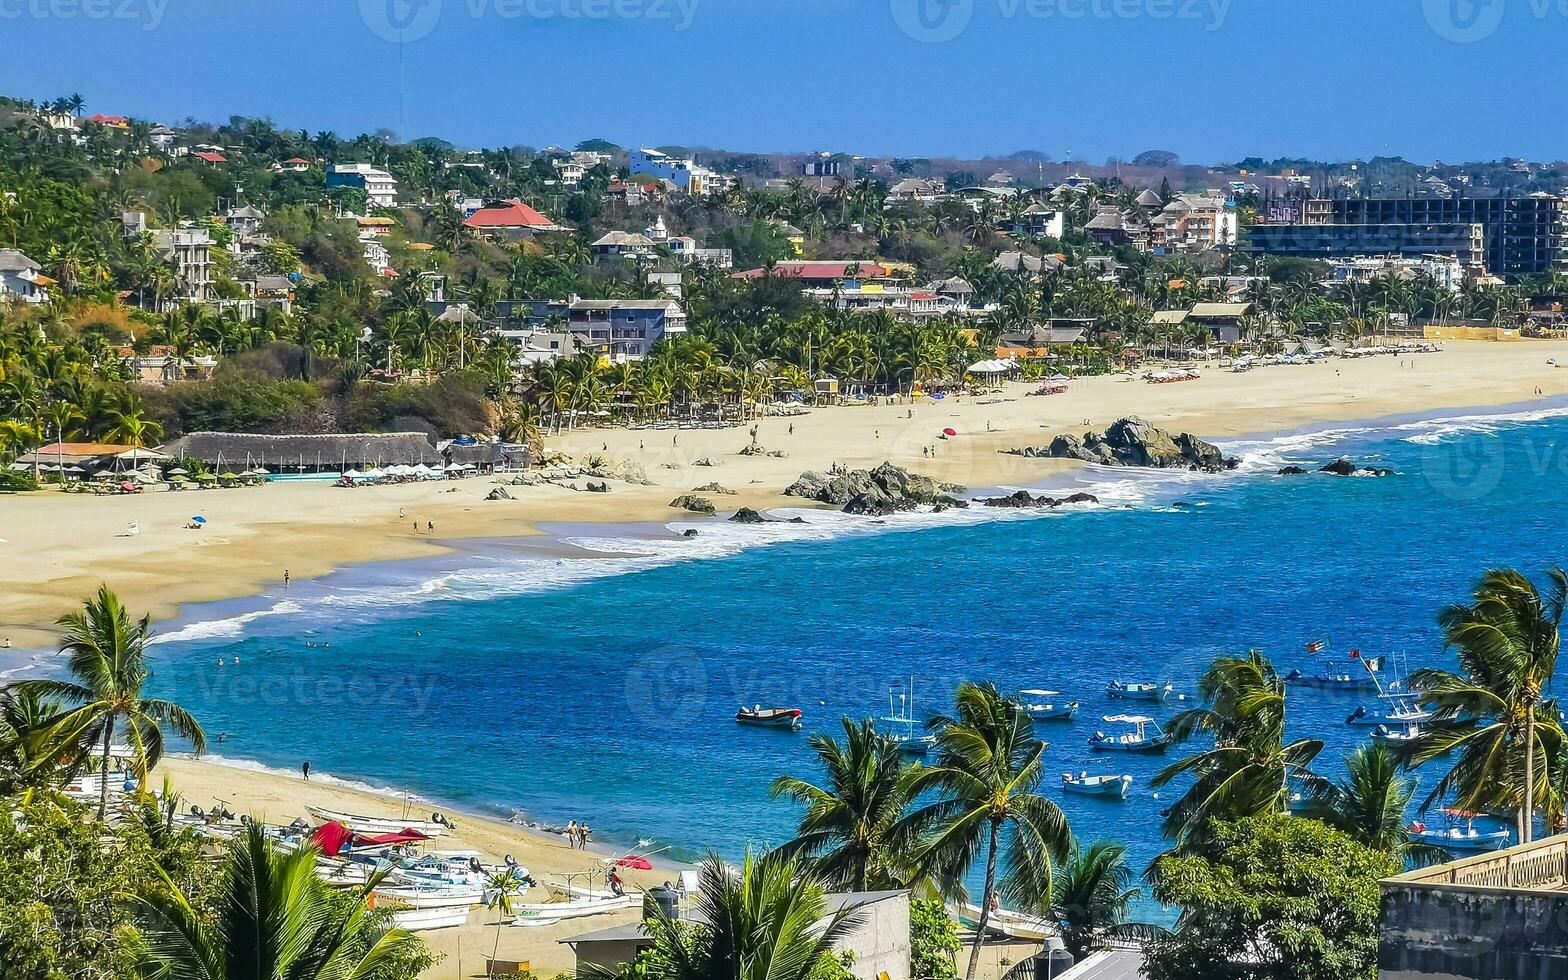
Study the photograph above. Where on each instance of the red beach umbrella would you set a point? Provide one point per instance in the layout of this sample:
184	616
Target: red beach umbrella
950	432
636	862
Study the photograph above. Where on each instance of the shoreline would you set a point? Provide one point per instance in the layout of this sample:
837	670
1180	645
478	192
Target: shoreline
61	547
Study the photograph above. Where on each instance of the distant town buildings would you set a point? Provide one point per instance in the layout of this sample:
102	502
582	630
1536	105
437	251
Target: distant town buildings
682	172
21	279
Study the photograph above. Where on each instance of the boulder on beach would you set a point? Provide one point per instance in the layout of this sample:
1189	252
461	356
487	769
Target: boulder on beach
1024	500
887	489
499	493
748	516
693	503
714	488
690	532
1134	441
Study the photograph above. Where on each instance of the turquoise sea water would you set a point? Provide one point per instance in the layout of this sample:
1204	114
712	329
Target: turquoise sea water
604	688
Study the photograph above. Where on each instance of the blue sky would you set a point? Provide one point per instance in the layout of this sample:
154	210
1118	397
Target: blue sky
1211	79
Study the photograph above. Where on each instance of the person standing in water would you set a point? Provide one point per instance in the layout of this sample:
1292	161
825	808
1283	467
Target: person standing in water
304	770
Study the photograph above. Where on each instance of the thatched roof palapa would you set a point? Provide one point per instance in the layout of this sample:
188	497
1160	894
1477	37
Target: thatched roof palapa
328	451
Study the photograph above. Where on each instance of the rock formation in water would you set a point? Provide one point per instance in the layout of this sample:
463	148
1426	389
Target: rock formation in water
888	489
1133	441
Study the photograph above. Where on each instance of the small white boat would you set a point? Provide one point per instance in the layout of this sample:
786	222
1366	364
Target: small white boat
432	896
1048	706
423	920
1460	834
902	719
1143	691
1145	736
1103	785
339	874
549	913
434	827
760	717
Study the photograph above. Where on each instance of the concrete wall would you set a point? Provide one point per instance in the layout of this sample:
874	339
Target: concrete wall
881	942
1450	933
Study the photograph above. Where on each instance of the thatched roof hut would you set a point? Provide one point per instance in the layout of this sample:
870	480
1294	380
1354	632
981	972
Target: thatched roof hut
489	456
332	452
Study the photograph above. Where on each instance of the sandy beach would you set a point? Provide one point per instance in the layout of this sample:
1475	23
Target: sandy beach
276	798
57	548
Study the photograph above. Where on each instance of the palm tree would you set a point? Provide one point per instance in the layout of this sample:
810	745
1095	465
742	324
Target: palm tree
847	830
106	653
501	887
1370	803
272	919
1496	713
762	922
989	766
1089	896
1247	772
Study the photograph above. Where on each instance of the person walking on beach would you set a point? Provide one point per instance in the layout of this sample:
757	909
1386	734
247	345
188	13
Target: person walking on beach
571	834
431	526
583	834
304	770
286	579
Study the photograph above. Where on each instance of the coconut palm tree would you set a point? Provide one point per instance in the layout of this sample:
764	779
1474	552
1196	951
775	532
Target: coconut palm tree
985	781
1369	804
846	832
768	920
500	888
272	919
106	654
1247	772
1089	896
1496	712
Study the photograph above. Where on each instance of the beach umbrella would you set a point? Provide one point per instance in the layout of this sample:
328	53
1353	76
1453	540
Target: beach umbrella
179	479
950	432
351	474
198	519
178	471
636	862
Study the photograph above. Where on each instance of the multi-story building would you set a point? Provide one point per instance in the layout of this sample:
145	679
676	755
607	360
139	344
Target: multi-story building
21	279
624	329
684	172
1522	236
378	185
187	250
1463	243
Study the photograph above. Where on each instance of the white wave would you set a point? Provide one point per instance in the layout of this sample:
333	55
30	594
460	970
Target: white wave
316	775
230	626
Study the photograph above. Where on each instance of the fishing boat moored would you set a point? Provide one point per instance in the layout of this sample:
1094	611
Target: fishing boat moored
760	717
1048	706
903	722
1144	691
1104	785
1145	736
360	823
1460	833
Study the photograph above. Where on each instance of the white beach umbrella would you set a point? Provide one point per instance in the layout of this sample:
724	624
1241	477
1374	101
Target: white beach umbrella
351	474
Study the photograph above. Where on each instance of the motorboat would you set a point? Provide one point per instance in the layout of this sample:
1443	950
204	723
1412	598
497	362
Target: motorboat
760	717
1358	676
1048	706
903	731
1459	833
361	823
1362	718
1144	691
432	896
1102	785
1145	736
549	913
425	919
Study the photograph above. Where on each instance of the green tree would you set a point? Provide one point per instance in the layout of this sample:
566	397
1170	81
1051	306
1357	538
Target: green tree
1494	713
1247	771
846	832
272	919
107	655
1369	805
1090	896
933	940
985	782
1270	897
767	920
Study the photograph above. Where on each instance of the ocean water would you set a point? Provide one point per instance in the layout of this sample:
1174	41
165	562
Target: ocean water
596	677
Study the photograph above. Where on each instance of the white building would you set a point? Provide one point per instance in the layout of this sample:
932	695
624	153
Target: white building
378	185
684	172
21	279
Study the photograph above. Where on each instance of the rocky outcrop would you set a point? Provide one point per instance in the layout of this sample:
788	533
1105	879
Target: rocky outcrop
1292	471
888	489
1133	441
1024	500
499	493
693	503
1344	467
748	516
714	488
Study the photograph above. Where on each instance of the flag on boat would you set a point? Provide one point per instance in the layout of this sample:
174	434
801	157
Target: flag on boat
1374	664
1316	646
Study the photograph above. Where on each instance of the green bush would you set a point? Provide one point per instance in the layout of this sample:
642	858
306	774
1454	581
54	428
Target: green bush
933	941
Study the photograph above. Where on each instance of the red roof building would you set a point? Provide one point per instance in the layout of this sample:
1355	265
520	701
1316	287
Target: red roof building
511	219
118	122
211	157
